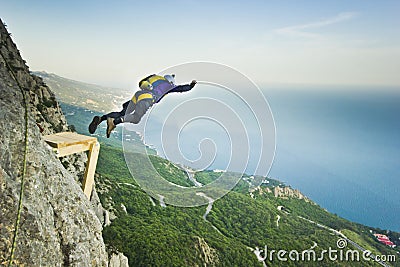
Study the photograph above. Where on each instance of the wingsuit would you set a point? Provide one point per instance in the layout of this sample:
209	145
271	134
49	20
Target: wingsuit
152	89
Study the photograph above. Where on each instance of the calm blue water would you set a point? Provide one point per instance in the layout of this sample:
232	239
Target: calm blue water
342	149
339	147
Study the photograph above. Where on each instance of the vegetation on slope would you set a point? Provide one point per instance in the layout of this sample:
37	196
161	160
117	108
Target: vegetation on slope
152	235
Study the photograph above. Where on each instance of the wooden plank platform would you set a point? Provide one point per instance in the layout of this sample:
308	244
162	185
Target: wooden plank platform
68	143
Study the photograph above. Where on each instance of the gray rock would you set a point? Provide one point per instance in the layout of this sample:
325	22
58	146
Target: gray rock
118	260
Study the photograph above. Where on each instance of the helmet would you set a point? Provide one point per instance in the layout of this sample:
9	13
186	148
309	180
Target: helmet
170	78
145	85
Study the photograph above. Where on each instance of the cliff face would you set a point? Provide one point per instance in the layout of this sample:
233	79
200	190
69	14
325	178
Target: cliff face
58	226
279	192
285	192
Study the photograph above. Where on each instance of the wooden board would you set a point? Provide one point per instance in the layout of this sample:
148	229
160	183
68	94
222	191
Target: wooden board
68	143
64	139
88	178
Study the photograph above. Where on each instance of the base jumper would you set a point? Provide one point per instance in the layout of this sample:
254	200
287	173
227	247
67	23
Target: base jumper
152	89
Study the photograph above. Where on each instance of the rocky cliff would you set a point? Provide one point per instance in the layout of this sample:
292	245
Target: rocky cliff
58	225
286	191
279	192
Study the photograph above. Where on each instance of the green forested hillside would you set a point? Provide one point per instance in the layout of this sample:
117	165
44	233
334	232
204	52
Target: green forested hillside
153	235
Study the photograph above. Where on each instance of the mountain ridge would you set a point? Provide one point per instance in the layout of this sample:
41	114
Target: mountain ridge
86	95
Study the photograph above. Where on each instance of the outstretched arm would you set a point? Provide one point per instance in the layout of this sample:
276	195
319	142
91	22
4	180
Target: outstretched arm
183	88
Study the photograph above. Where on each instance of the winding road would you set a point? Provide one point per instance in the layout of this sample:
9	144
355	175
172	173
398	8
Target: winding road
357	246
277	220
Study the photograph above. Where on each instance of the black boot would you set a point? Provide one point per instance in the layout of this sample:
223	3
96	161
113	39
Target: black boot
93	125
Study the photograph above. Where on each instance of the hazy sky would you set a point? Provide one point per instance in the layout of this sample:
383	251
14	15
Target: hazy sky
115	43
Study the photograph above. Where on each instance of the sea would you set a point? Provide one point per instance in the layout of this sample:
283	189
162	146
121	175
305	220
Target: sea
341	147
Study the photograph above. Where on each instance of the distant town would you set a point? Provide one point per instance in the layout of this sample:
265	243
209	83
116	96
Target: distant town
384	239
